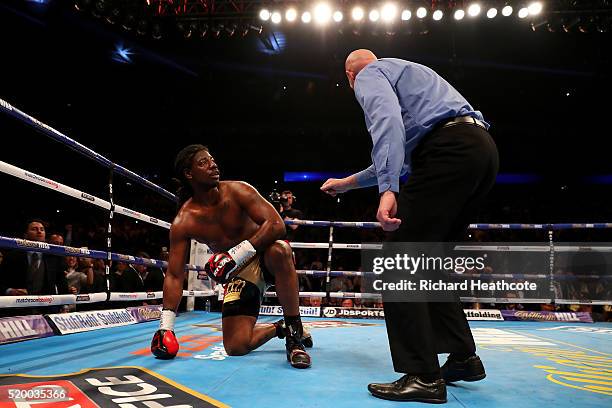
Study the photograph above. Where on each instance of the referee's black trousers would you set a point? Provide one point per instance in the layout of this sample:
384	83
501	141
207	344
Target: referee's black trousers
453	168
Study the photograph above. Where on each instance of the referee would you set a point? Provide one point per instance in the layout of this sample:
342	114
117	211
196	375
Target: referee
421	125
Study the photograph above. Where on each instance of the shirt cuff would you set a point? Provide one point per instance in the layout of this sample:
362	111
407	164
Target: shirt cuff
387	185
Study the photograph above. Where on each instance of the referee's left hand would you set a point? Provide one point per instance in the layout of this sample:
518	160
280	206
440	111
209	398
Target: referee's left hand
387	208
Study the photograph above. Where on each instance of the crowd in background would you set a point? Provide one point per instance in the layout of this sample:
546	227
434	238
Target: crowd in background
35	273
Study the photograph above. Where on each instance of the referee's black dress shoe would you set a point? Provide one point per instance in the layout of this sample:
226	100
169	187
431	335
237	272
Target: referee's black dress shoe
411	388
467	369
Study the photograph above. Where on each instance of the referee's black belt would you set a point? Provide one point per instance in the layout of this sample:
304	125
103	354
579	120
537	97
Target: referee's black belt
462	120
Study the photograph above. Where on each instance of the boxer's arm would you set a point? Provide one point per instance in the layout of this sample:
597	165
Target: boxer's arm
173	282
271	226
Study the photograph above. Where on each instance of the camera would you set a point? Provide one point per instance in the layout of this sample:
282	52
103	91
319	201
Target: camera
274	197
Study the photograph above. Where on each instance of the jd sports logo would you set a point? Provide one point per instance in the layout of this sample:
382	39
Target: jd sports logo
119	387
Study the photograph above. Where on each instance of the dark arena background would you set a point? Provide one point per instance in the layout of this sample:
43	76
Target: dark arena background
97	97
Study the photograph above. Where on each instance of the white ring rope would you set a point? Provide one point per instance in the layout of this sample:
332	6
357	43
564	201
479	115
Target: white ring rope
57	300
78	194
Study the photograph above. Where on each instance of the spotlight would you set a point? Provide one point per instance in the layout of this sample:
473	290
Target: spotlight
507	11
459	14
524	12
422	28
122	54
291	15
602	26
244	30
406	15
156	31
492	12
357	14
99	8
535	8
186	29
231	30
190	30
306	17
322	13
388	12
539	26
113	16
338	16
82	5
276	17
216	30
437	15
264	15
257	29
421	12
568	25
374	15
474	10
129	22
142	27
204	30
587	26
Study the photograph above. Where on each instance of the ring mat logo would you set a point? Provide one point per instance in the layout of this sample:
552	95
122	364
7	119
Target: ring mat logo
120	387
189	344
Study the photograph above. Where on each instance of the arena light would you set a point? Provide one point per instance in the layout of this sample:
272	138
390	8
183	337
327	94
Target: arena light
276	17
291	15
524	12
374	15
306	17
474	10
142	27
568	25
322	13
129	22
357	13
264	15
156	32
406	15
459	14
421	12
492	12
338	16
437	15
388	12
507	11
535	8
539	25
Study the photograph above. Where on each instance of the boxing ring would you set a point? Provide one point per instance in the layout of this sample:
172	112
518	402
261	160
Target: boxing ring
529	364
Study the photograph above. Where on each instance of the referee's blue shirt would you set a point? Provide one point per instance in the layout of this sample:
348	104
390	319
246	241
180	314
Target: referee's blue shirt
402	101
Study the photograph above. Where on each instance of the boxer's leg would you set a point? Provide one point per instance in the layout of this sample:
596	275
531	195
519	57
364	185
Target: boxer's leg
278	260
241	335
240	310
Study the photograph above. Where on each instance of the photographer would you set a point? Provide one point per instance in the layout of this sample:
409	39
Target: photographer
287	212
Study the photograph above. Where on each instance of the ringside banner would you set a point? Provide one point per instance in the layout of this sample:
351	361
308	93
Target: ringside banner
78	322
305	311
23	328
545	316
483	314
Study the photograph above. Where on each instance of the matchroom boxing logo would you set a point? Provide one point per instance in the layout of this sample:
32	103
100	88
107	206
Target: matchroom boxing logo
100	387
